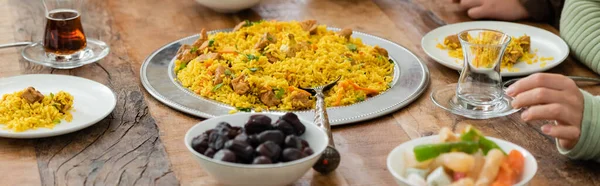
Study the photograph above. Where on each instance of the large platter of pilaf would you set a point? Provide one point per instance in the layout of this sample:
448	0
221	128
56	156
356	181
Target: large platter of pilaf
260	67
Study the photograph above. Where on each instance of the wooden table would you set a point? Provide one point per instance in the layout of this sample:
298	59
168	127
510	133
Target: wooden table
141	142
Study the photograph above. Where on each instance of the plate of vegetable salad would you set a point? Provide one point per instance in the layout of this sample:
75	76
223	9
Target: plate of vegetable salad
465	158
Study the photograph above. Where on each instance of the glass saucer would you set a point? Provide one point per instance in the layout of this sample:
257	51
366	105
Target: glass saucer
94	51
445	98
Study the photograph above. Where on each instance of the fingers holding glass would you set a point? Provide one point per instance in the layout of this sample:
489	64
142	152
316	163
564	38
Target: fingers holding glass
551	81
568	135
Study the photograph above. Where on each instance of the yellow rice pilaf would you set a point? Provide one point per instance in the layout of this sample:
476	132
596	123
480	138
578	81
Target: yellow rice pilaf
18	115
515	48
363	71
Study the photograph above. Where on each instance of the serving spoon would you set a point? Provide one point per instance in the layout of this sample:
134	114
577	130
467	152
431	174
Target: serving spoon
330	159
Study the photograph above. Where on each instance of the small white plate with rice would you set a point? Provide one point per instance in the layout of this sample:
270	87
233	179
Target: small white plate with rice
92	102
549	48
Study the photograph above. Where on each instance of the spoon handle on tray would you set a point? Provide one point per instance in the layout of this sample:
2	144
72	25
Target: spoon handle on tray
321	118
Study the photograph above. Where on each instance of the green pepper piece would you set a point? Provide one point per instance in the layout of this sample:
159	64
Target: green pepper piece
471	135
429	151
485	144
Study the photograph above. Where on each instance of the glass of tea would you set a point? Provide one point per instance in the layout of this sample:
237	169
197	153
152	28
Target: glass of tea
65	45
478	93
64	38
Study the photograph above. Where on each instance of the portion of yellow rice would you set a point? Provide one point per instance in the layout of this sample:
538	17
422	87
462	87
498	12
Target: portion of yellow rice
529	57
328	57
18	115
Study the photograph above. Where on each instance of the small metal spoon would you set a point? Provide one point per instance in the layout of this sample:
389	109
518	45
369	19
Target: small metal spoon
592	81
17	44
330	159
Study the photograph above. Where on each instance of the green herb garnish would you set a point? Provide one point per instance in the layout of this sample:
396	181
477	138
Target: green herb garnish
390	60
56	121
227	72
211	42
56	105
254	69
51	95
193	50
217	87
250	23
351	47
251	57
244	109
350	59
360	99
279	93
180	67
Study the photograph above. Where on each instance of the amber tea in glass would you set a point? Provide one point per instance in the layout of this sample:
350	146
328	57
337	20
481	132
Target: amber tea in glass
64	38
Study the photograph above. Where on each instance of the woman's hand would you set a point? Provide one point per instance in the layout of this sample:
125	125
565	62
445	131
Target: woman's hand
551	97
509	10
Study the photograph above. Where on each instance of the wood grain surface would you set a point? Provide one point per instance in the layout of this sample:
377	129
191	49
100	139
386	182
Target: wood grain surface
141	142
122	149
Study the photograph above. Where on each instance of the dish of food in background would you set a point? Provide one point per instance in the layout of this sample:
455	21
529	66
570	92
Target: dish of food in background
468	158
29	109
410	78
228	6
260	66
518	50
248	142
84	102
547	48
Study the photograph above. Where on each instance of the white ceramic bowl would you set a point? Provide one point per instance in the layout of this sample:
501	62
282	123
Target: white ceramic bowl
264	175
395	160
228	6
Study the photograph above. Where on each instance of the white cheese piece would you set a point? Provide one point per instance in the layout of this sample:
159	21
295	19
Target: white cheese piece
416	180
420	172
438	178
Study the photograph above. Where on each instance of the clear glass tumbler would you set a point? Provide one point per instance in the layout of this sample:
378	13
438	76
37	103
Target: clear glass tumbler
480	84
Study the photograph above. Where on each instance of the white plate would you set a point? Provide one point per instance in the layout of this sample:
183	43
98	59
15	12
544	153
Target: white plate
92	101
395	160
547	44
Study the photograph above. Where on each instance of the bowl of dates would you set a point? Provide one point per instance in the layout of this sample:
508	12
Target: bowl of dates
256	149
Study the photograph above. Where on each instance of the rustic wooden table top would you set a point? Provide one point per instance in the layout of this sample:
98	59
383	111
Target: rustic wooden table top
140	143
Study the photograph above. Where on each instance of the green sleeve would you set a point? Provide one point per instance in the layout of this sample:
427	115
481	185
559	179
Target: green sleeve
588	146
580	28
